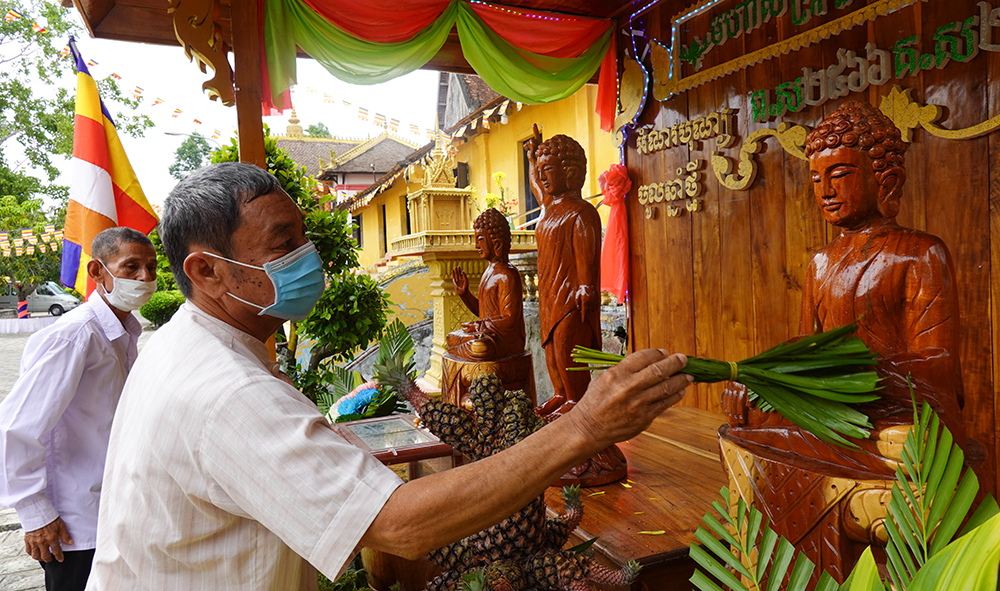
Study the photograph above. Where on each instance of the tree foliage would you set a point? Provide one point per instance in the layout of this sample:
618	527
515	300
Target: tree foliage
27	271
192	154
318	130
37	95
351	313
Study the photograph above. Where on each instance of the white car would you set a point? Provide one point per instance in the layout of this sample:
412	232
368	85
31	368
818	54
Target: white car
47	297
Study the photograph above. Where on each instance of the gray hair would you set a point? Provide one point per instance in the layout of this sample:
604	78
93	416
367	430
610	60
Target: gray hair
204	210
106	244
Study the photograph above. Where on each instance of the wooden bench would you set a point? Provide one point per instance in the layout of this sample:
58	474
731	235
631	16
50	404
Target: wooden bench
675	474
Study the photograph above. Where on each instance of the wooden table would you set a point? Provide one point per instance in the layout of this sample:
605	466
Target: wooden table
675	474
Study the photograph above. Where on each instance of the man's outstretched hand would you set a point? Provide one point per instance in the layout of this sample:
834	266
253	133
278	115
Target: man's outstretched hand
43	544
624	400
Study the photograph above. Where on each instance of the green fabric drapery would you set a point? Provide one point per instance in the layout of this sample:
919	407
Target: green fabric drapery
515	73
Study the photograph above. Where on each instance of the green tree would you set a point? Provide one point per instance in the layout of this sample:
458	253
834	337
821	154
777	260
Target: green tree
318	130
351	314
192	154
27	271
37	95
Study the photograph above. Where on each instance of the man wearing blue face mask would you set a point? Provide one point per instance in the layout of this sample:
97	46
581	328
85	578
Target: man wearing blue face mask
220	474
55	423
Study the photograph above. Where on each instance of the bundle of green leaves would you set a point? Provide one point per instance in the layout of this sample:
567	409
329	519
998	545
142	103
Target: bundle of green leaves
811	381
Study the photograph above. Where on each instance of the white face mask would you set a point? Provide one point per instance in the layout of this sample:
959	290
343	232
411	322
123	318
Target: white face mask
128	294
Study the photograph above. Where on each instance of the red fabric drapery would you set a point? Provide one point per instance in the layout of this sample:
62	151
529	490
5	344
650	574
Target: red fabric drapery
381	21
390	21
615	185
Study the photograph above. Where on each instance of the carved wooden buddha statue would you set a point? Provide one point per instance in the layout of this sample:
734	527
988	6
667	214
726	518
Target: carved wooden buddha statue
569	265
569	277
499	332
899	285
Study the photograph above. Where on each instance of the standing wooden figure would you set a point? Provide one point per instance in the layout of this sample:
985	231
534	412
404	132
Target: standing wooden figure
569	277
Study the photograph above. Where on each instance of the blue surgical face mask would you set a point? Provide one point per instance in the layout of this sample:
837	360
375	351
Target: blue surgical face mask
298	283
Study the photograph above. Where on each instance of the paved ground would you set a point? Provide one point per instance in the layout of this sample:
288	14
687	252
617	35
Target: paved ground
18	572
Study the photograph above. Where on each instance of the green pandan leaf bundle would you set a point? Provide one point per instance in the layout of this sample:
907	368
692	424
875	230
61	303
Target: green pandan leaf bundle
812	381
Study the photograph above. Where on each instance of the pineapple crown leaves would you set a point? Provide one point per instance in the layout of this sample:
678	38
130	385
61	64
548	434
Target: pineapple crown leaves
584	547
474	580
571	496
631	571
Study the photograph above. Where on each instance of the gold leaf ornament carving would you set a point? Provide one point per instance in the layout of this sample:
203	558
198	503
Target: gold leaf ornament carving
196	25
907	114
791	137
631	97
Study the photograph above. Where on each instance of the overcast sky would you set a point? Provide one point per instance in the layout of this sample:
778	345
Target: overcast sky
165	73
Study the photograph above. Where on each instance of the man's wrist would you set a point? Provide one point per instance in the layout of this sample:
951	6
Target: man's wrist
35	512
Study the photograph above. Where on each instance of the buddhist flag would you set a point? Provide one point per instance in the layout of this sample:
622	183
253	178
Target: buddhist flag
38	28
12	15
345	104
379	119
104	191
327	98
198	122
91	63
394	124
156	102
362	113
429	133
414	129
137	93
64	52
486	121
176	113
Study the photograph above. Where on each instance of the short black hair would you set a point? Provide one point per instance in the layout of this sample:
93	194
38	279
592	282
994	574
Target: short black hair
106	244
204	209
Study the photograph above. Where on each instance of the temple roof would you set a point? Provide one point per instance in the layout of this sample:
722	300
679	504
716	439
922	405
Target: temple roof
309	151
383	151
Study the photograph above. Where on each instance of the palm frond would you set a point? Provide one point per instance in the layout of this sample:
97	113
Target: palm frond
395	342
810	381
932	496
745	553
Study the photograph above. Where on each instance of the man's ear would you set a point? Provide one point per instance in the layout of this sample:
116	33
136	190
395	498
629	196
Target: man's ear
95	270
890	190
207	274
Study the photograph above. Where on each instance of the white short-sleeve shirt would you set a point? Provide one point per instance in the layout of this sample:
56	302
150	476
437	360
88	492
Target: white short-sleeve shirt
220	475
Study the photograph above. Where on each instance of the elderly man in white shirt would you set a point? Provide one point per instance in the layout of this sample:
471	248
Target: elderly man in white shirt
55	423
221	475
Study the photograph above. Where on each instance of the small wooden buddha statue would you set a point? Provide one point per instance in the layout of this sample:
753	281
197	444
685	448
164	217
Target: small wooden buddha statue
499	332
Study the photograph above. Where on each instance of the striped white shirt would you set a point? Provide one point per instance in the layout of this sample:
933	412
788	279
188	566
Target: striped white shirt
222	476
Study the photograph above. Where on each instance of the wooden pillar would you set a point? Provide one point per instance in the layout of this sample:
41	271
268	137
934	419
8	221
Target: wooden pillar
246	55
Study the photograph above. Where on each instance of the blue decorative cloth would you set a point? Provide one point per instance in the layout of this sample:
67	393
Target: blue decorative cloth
356	404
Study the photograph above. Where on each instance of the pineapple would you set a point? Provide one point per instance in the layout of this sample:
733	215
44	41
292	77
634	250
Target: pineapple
504	575
487	398
446	581
557	530
453	425
455	557
519	418
518	536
